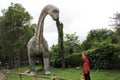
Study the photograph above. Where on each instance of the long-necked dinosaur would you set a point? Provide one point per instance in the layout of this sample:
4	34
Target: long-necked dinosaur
37	45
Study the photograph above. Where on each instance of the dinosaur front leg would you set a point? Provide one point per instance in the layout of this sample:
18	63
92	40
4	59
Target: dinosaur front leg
32	64
46	62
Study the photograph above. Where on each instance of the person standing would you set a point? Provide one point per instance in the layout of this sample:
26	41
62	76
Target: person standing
86	67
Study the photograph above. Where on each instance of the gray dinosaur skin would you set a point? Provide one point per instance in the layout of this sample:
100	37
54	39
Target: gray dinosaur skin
37	45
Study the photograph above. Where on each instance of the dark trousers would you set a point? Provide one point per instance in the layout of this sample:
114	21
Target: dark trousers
87	76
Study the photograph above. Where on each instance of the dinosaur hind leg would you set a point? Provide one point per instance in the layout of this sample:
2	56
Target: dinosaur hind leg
41	62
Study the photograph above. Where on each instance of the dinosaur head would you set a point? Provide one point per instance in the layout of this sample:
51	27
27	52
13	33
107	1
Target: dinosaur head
53	11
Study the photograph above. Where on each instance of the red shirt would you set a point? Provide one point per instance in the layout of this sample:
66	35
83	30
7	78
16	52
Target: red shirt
86	67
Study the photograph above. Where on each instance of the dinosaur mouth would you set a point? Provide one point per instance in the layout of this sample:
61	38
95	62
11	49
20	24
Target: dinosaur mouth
56	19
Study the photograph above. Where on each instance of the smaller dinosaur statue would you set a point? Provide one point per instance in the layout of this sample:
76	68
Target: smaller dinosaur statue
37	45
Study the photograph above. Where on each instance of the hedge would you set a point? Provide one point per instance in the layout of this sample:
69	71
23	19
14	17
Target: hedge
102	58
73	60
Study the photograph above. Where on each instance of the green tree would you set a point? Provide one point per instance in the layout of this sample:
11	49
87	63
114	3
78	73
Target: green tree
71	43
15	31
54	52
99	38
60	42
116	18
116	25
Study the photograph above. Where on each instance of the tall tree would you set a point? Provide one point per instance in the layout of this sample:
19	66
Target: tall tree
60	41
116	18
14	31
116	24
72	43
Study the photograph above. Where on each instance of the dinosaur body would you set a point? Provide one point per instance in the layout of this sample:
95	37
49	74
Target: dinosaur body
37	45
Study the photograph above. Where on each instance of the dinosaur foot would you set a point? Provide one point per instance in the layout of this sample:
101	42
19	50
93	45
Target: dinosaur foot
32	73
47	72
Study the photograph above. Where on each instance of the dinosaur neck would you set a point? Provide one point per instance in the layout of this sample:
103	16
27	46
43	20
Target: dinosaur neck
40	27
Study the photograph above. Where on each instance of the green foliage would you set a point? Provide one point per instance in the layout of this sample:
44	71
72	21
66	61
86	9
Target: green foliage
60	41
72	60
116	26
15	31
60	38
99	38
103	58
117	58
71	45
116	18
54	52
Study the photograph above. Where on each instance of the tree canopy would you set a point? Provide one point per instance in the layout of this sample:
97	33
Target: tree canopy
15	31
99	38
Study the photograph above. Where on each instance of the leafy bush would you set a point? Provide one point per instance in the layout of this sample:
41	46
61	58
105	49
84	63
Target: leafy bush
103	58
117	58
73	60
107	57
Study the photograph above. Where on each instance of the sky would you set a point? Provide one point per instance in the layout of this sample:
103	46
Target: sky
78	16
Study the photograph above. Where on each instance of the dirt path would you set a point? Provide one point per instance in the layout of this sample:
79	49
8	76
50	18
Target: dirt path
0	77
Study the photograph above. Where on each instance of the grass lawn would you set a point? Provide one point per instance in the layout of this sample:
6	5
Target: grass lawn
70	73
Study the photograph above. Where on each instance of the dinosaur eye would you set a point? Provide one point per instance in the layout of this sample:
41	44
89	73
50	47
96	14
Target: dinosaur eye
55	11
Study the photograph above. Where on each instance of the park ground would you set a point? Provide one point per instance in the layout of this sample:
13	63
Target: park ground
69	73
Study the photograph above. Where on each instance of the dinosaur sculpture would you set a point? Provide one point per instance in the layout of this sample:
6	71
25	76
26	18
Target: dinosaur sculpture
37	45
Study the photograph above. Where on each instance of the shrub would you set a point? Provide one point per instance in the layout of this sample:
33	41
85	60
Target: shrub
103	58
117	58
73	60
107	57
